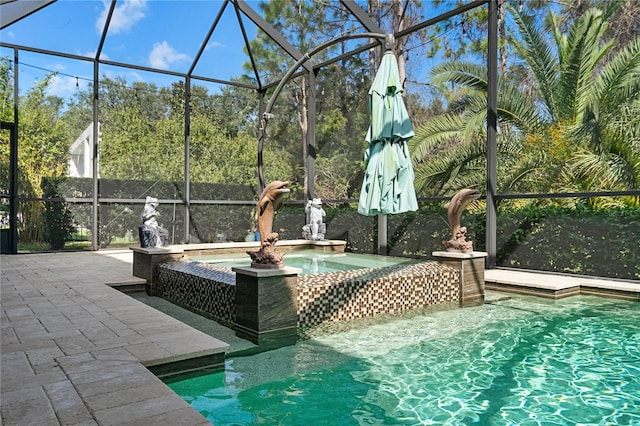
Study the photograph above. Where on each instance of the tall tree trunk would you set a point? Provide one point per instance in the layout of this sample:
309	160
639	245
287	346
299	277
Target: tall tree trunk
398	23
373	9
302	98
502	39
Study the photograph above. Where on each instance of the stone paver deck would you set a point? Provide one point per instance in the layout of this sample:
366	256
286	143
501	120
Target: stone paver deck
74	349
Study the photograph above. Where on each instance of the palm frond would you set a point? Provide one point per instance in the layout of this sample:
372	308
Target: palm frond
475	123
539	56
442	128
613	108
619	80
517	109
519	176
449	169
466	74
579	60
619	168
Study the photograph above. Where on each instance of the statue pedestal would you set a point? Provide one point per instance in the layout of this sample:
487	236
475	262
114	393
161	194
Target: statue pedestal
266	306
146	261
471	267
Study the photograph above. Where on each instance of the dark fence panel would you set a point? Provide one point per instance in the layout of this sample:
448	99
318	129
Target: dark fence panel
212	223
595	237
577	240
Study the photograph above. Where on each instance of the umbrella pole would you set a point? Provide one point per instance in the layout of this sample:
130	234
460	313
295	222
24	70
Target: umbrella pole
382	235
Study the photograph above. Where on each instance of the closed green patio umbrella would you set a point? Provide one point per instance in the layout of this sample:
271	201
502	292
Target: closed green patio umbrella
388	182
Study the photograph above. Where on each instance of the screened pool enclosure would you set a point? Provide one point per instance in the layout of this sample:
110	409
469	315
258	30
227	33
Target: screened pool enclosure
181	123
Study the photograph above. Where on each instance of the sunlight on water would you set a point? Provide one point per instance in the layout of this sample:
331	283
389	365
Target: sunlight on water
313	261
522	361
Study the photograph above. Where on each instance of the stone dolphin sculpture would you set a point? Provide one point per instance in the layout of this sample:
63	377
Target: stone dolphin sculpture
270	200
455	207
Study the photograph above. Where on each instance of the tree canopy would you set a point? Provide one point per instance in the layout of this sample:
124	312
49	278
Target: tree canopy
570	125
568	108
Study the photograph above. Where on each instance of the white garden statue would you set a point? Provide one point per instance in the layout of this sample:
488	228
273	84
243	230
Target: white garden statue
152	235
315	228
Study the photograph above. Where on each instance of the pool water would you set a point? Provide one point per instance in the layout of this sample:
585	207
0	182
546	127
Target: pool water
521	361
313	261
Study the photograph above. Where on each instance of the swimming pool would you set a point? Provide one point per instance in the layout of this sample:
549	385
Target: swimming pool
312	261
519	361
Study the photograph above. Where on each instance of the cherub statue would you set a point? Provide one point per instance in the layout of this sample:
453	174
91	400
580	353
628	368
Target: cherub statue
151	233
315	229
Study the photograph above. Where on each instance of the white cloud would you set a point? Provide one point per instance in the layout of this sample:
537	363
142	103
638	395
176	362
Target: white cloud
92	54
213	45
163	55
129	76
124	16
56	67
64	86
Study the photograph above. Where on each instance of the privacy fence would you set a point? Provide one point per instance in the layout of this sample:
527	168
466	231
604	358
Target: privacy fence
569	236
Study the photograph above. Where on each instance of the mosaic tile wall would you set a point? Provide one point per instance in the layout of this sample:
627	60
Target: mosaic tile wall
322	298
207	290
346	295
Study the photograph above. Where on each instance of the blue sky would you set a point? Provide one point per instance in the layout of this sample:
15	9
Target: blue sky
159	34
163	34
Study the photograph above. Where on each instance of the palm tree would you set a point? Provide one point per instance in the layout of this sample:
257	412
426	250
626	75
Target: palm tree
577	130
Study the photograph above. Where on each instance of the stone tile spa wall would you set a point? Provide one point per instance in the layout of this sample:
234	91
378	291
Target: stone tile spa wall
322	298
347	295
204	289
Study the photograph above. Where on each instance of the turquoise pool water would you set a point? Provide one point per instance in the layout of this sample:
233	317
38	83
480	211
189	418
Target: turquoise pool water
313	261
522	361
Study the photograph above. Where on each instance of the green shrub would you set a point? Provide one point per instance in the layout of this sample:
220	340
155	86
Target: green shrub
57	216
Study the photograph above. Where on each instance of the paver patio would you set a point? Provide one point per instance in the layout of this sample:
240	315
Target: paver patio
74	349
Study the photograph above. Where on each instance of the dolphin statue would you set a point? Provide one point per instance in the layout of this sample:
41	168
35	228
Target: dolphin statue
271	199
455	207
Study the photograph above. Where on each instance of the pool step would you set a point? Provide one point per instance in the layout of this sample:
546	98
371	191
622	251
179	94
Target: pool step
555	286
